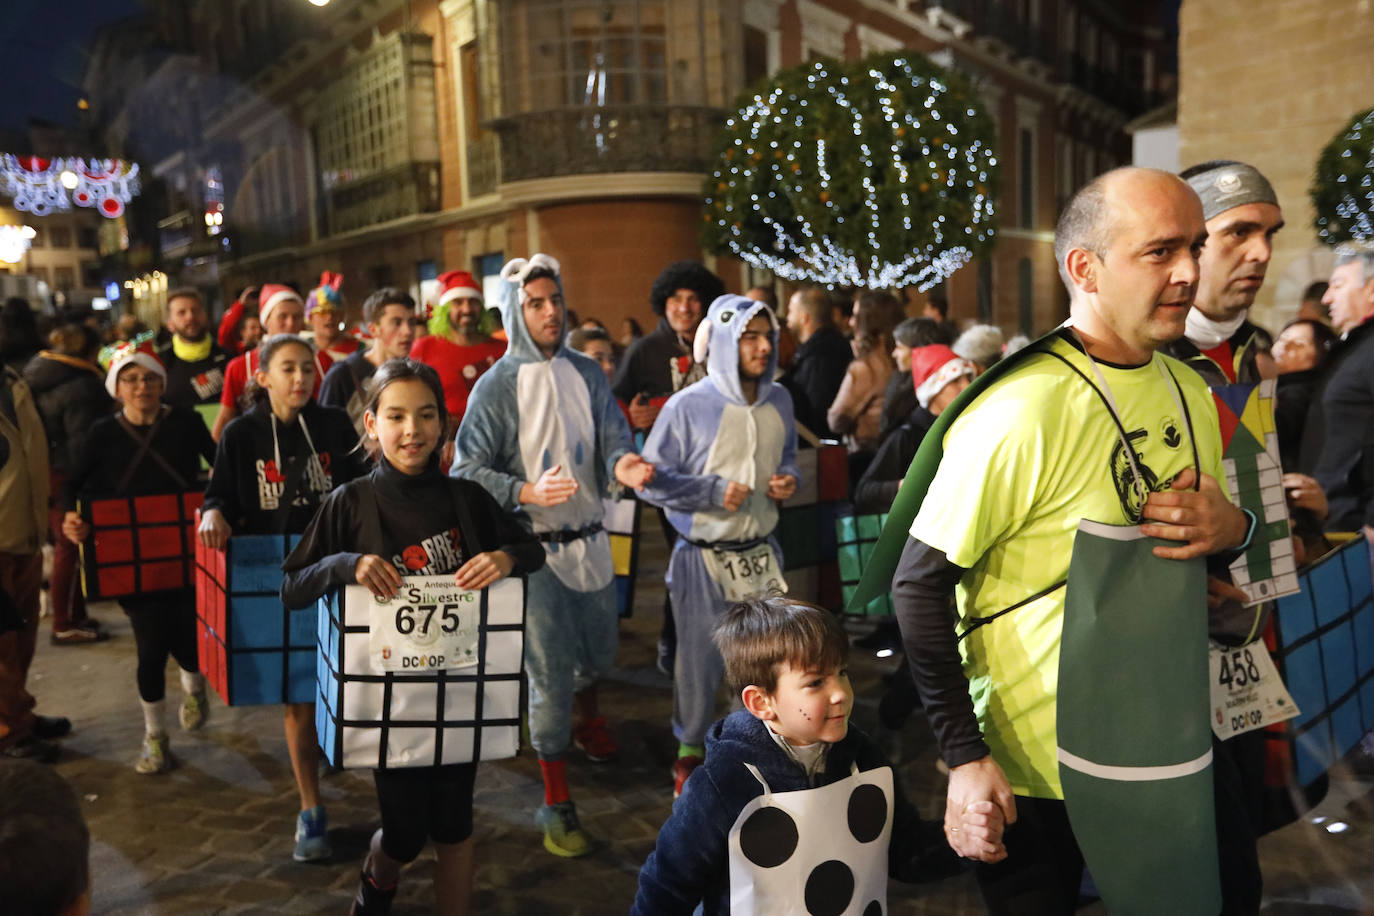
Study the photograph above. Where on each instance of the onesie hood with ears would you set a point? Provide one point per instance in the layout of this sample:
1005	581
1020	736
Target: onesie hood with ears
511	301
717	345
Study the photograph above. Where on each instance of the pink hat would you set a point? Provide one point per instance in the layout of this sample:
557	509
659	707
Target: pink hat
934	367
457	284
273	295
139	350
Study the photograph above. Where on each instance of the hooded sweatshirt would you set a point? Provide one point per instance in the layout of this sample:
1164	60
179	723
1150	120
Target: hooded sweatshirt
529	413
709	434
258	455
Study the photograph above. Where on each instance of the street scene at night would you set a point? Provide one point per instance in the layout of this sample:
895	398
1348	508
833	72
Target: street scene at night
833	457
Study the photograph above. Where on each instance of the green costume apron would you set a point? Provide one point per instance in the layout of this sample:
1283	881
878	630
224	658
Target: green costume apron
1132	702
1135	746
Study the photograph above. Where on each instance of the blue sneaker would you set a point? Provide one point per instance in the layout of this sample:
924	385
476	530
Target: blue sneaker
563	834
311	843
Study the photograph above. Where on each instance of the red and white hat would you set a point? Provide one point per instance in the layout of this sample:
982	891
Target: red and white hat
934	367
139	350
273	295
457	284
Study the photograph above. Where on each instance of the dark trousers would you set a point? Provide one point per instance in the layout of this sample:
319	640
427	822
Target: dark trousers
1043	869
162	626
21	577
68	603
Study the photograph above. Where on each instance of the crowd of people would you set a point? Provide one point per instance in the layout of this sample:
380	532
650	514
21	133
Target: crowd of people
479	440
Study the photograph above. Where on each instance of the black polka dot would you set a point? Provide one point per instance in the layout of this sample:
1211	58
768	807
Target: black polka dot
873	909
769	837
867	812
829	889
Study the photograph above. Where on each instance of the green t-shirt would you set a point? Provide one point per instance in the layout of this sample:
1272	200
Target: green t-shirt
1023	463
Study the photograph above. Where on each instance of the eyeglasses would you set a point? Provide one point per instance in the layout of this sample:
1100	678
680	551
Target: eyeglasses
133	381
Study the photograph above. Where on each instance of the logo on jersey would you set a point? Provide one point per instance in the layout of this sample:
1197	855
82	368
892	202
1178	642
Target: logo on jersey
1169	433
433	556
207	384
1124	476
272	481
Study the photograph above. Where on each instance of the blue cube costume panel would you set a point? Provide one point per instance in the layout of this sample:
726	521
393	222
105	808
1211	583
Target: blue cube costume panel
252	650
369	717
1325	650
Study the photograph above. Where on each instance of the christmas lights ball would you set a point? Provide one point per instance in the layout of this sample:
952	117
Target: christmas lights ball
1342	188
879	172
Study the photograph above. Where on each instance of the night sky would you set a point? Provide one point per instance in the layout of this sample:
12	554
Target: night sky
42	51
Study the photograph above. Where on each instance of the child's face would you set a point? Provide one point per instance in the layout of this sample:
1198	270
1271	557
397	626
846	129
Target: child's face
406	424
810	705
290	377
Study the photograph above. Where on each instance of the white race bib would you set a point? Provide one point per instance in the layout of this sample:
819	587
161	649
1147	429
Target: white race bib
431	625
744	574
1247	692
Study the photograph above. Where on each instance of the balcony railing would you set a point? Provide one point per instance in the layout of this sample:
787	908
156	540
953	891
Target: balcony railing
482	166
402	191
622	138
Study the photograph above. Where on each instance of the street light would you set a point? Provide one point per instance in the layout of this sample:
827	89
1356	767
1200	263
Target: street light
319	2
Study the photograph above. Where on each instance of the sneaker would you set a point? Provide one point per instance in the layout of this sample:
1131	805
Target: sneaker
194	710
311	843
682	768
371	900
595	741
48	727
31	748
563	834
76	636
89	623
156	757
667	651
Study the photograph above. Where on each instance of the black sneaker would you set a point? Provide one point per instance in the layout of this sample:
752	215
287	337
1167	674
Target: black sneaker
371	900
31	748
49	727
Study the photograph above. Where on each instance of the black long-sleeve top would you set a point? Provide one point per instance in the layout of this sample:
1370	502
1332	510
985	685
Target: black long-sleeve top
426	524
179	437
247	486
878	486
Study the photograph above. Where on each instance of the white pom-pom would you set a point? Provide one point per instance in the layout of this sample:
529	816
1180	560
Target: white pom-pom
701	344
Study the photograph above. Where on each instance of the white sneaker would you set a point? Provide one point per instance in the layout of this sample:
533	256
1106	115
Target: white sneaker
194	711
156	757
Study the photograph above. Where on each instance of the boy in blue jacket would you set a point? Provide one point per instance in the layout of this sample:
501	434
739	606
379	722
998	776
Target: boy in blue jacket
792	810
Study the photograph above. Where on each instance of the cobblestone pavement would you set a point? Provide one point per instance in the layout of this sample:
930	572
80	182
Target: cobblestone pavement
215	835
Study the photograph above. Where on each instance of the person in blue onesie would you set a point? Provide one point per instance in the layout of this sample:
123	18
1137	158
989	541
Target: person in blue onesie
544	435
724	451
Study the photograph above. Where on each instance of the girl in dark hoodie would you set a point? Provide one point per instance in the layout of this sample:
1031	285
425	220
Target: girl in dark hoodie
408	515
273	467
69	388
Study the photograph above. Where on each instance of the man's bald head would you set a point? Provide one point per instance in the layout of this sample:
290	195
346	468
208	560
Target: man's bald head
1090	218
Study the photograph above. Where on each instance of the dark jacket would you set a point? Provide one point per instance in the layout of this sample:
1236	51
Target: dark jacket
879	484
180	438
70	394
690	861
343	530
646	366
1244	354
192	383
1294	398
898	402
1338	439
818	370
248	487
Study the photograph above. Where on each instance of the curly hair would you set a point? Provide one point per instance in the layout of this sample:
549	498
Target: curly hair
691	275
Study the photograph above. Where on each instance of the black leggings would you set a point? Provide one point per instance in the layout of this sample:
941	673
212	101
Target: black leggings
163	625
424	803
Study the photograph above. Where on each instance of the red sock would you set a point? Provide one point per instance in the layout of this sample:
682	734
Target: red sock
555	781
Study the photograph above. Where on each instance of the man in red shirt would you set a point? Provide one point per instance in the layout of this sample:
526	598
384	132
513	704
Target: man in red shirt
460	346
281	311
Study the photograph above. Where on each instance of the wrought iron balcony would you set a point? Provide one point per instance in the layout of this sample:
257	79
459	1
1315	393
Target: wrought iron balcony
613	138
402	191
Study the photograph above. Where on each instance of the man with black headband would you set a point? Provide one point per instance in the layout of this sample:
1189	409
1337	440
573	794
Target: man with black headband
1242	216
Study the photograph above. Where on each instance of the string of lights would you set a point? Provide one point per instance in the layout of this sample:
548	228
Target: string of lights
1342	188
877	173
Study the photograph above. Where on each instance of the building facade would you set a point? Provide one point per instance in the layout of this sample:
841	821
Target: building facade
390	140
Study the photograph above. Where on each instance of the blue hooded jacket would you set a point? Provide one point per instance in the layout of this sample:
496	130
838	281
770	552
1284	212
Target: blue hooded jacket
709	434
529	413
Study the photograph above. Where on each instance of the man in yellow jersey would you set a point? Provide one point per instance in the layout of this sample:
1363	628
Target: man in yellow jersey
1093	426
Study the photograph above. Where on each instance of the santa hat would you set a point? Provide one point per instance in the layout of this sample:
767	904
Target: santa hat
139	350
325	297
934	367
273	295
457	284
